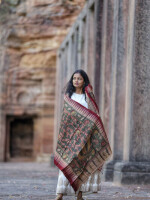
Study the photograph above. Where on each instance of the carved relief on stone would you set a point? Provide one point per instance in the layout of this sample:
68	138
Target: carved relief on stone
24	95
23	98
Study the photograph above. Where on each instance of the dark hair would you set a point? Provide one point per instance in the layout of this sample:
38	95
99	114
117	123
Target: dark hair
70	88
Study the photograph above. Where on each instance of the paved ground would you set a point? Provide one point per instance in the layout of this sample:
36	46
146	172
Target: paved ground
37	181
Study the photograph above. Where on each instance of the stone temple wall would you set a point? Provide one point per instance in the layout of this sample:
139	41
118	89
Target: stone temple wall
110	40
30	34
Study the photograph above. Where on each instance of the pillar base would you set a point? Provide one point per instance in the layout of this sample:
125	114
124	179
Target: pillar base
108	172
132	173
52	160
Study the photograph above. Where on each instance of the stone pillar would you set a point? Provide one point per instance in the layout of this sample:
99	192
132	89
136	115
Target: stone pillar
91	44
1	83
73	52
65	65
2	139
99	10
80	43
118	80
3	37
57	94
83	25
103	58
86	45
76	32
136	165
58	101
109	59
69	59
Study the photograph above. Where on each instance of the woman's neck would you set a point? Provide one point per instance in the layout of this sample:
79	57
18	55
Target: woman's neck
78	91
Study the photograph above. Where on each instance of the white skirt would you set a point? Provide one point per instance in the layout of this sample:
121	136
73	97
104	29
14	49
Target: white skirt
92	185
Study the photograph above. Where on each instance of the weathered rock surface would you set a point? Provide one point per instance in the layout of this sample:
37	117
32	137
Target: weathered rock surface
31	32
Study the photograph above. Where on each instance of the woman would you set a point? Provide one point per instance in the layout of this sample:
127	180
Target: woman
82	145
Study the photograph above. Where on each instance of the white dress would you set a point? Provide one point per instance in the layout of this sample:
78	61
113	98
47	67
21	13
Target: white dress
93	183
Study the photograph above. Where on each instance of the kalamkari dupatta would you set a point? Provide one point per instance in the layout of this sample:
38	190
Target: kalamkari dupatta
82	146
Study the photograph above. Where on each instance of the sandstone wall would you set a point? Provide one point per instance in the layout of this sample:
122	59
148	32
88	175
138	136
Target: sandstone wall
31	32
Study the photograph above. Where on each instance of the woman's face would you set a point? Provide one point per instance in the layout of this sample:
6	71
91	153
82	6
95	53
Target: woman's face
78	80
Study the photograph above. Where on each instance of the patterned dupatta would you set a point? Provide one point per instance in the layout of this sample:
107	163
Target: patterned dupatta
82	146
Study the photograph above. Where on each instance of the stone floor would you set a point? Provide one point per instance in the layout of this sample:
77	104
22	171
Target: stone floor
37	181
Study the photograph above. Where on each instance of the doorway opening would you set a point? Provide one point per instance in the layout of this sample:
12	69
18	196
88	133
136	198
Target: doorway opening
20	136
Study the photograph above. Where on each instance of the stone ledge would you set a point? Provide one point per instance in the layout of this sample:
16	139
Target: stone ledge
133	166
132	173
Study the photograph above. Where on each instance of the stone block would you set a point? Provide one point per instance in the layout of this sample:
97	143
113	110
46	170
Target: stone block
132	173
